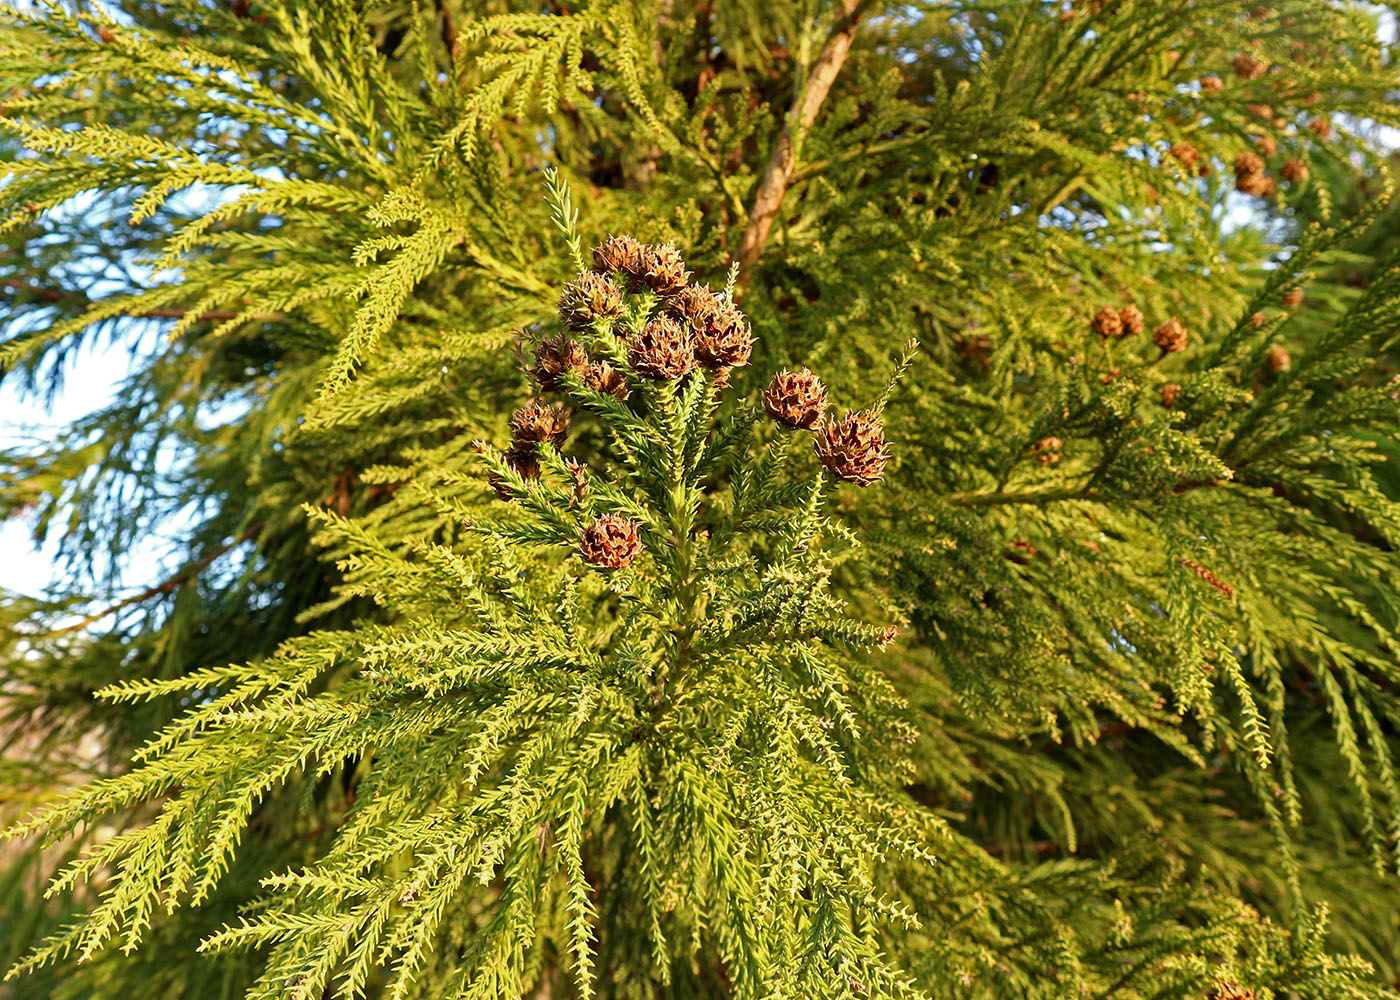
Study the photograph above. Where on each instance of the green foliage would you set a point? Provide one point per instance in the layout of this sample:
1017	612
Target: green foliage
383	733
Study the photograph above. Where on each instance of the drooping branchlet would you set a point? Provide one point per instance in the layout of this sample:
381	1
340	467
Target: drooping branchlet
796	399
554	357
663	349
590	299
854	447
611	541
537	422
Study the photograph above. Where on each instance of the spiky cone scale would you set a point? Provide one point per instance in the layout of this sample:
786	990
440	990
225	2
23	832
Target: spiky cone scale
603	377
617	254
853	448
611	542
1278	359
726	341
1295	171
660	267
796	399
1171	337
1107	323
537	422
554	357
588	300
663	350
522	462
1132	320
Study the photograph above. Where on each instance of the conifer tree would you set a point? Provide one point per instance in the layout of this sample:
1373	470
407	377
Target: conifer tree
705	500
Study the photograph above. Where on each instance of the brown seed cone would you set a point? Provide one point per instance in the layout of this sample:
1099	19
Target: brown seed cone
660	268
726	342
589	299
537	422
1107	323
1212	84
1171	336
1047	450
1230	991
1268	146
854	447
1021	545
1248	163
523	462
1247	67
1260	185
1321	127
611	541
603	377
1257	320
663	350
554	357
1132	320
1292	298
1186	154
696	305
796	399
1278	359
617	254
1295	171
1170	392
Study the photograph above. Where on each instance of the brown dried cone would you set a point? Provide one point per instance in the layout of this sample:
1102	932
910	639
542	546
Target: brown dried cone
725	342
1278	359
1170	392
1247	67
522	461
611	541
555	356
1107	323
660	268
1186	154
1257	320
663	350
1212	84
854	447
1047	450
537	422
603	377
1321	127
1292	298
1230	991
1132	320
617	253
589	299
1171	336
796	399
1267	145
696	305
1295	171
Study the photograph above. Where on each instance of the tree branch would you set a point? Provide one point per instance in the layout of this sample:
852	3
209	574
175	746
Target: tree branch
803	113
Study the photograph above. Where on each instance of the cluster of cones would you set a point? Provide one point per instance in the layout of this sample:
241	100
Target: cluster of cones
694	328
1109	322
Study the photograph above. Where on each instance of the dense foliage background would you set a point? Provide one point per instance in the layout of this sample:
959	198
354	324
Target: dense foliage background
1136	735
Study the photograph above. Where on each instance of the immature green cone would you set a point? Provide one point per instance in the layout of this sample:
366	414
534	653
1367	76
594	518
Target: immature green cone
660	268
537	422
589	299
663	350
796	399
617	254
1171	336
1107	323
555	356
854	447
611	541
725	341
